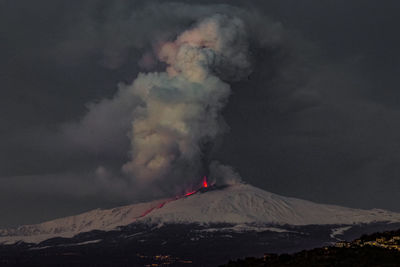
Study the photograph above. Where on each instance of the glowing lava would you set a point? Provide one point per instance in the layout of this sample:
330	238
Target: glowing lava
190	193
205	184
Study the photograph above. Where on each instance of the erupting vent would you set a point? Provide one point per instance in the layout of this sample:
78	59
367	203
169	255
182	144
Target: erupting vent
204	185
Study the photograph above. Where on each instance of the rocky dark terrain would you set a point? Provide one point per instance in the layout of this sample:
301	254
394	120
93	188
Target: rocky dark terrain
176	244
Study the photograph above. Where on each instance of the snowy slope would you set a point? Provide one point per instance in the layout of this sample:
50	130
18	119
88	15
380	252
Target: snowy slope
247	204
237	204
69	226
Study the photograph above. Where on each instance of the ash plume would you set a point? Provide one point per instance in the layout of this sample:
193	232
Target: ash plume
180	108
172	117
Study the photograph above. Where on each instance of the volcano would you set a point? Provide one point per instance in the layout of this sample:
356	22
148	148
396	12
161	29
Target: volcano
241	204
236	213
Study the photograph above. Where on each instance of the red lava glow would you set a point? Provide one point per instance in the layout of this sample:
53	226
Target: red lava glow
157	207
147	212
205	184
190	193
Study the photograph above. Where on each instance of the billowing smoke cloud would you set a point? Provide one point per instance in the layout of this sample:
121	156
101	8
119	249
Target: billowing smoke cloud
181	107
172	117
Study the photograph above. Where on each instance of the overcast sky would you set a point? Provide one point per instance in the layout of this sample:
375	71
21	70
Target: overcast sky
318	118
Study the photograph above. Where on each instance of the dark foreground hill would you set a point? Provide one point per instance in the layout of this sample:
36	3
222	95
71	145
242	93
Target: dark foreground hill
378	249
179	245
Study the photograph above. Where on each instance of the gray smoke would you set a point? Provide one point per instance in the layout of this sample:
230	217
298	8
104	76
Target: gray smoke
181	107
171	116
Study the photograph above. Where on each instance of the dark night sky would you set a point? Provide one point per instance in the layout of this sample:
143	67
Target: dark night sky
317	119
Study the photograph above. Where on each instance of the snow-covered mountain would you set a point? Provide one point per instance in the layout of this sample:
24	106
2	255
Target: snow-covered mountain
240	204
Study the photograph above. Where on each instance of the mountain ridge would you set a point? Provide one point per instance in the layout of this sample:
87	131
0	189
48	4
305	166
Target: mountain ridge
238	204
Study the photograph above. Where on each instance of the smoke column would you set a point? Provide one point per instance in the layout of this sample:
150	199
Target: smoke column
180	107
171	117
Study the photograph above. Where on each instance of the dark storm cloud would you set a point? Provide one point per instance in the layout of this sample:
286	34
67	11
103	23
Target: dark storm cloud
316	119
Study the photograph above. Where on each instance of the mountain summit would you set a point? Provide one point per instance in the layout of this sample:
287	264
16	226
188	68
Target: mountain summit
240	204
